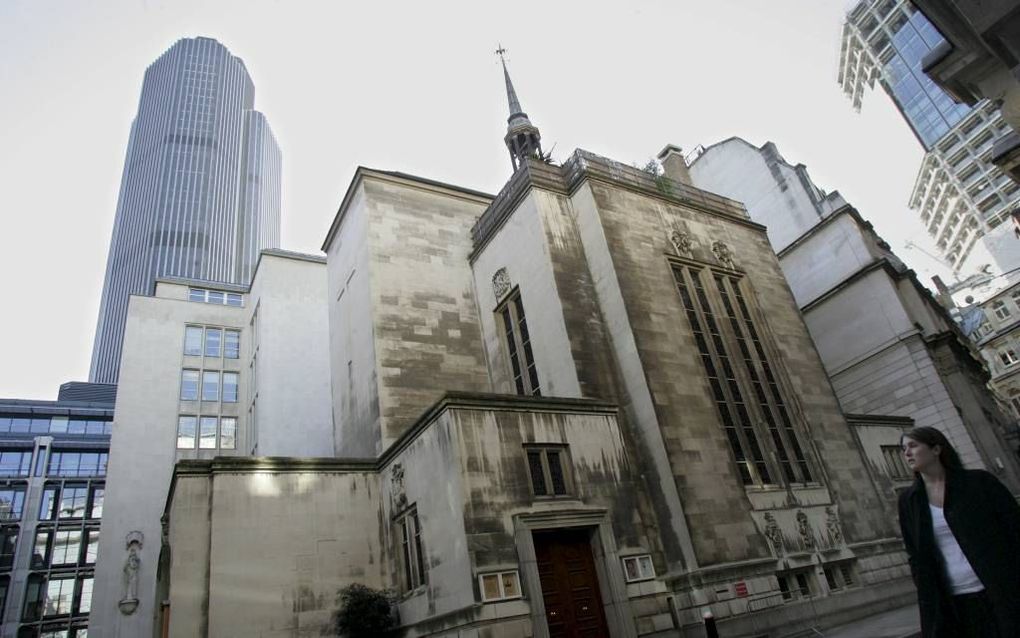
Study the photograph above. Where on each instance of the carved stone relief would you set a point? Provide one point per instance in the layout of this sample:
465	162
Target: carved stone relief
832	524
132	564
774	534
804	529
723	254
500	283
682	242
398	498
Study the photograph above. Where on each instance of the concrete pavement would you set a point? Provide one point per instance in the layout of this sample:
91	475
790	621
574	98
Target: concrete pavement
896	623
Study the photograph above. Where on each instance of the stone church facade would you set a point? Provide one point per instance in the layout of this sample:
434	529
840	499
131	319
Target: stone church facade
587	405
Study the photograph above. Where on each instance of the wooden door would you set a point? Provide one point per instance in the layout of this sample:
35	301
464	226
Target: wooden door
570	586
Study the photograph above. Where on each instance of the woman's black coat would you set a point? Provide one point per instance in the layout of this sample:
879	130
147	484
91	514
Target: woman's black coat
985	519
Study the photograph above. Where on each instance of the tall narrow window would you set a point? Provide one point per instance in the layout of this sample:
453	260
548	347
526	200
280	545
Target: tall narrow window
207	433
230	387
210	386
518	345
228	433
189	385
231	344
186	426
726	391
409	531
770	379
193	341
213	342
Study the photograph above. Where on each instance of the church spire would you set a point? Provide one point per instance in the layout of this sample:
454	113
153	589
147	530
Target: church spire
522	137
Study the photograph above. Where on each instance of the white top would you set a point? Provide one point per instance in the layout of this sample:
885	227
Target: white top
962	579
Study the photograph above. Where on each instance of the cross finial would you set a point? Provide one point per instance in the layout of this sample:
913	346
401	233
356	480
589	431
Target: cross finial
500	51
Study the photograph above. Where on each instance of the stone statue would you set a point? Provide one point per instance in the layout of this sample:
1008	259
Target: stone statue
832	524
132	564
681	242
500	283
804	529
397	496
723	254
774	534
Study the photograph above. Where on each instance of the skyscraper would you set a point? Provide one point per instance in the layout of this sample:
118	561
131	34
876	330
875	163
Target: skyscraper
961	197
200	191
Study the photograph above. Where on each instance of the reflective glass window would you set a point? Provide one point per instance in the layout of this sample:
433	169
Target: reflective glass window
231	344
210	386
213	341
228	433
15	463
96	506
193	341
207	436
66	547
12	502
59	593
48	505
230	387
186	432
73	499
189	385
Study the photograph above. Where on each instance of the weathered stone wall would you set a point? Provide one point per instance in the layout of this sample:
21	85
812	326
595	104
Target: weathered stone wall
636	228
425	320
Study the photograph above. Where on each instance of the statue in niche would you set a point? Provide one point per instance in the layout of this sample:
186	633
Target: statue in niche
681	241
500	283
723	254
832	524
397	495
804	529
129	580
774	534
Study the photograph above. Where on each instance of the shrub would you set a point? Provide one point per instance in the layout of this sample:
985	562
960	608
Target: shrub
363	611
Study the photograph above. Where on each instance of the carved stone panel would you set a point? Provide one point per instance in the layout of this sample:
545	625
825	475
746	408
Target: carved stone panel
682	242
723	254
132	564
500	283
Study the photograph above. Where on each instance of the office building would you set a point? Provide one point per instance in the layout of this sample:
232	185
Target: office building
53	458
200	191
961	197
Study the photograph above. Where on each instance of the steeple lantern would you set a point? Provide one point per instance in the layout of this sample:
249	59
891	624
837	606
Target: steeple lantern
522	137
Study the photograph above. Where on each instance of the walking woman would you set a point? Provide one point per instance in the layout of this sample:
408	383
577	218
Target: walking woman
961	529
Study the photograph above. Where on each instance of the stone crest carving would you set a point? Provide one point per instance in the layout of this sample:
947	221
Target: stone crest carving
832	524
804	529
397	495
129	580
500	283
773	533
681	241
723	254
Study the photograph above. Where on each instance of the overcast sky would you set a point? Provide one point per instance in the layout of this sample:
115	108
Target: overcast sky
413	87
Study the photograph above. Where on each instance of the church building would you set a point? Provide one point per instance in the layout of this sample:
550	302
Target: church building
585	406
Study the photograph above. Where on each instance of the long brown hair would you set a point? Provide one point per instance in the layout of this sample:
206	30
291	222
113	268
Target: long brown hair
932	437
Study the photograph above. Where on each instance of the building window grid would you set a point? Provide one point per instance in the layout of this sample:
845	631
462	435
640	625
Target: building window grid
893	455
55	425
518	343
208	432
728	400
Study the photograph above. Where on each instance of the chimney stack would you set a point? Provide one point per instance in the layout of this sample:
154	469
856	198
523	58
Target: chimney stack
674	164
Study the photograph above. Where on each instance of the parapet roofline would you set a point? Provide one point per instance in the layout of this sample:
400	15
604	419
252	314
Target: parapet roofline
401	178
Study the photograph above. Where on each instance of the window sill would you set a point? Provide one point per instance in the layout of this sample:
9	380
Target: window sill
417	591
